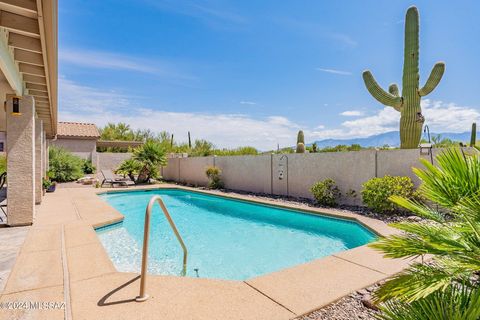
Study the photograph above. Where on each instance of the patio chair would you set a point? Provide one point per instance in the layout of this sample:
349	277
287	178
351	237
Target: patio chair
110	178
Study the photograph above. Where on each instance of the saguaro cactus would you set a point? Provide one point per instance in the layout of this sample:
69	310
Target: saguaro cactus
189	141
300	142
473	136
300	137
408	104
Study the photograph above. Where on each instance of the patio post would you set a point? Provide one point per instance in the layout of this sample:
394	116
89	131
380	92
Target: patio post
20	160
38	160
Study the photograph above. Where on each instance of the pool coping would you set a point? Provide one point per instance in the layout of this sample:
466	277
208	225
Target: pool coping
261	283
90	274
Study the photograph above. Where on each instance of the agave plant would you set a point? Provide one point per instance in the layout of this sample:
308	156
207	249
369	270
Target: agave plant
151	155
450	235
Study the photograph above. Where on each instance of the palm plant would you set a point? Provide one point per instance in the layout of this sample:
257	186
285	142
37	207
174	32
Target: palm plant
450	235
151	155
129	167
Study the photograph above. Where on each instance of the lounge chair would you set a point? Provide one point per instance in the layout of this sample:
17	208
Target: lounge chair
110	178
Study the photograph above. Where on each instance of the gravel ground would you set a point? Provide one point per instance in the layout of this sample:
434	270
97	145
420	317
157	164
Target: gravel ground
348	308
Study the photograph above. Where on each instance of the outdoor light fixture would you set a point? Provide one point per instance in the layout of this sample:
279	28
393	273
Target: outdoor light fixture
16	106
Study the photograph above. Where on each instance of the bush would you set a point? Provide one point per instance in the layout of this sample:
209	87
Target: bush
214	177
377	191
88	167
326	192
3	164
64	166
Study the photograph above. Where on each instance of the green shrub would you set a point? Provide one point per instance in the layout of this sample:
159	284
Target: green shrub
64	166
214	177
88	167
326	192
377	191
3	164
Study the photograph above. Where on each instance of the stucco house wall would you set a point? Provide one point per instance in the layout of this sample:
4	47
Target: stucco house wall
84	148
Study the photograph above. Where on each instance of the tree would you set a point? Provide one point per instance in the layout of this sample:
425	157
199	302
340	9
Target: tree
151	155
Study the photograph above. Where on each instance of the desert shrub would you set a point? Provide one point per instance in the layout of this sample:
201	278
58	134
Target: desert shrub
64	166
326	192
377	191
88	167
214	177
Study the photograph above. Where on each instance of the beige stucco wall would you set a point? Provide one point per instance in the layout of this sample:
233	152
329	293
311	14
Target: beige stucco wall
261	174
110	160
192	170
38	160
84	148
170	172
246	173
21	162
348	169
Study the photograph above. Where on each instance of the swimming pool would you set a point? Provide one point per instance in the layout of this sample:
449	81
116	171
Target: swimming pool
226	238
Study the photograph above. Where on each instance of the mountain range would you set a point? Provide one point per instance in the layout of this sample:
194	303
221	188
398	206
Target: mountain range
391	138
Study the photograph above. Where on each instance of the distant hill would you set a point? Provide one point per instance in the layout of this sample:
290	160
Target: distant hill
391	138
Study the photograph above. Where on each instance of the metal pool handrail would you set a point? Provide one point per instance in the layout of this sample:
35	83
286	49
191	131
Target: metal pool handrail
143	296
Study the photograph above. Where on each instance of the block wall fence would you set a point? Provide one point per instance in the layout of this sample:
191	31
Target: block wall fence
294	174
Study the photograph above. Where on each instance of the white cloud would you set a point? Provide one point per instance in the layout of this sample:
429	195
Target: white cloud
103	60
250	103
86	104
213	14
82	103
334	71
352	113
439	116
114	61
449	117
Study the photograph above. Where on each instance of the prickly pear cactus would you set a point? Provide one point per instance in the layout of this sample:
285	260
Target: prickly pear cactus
408	103
473	136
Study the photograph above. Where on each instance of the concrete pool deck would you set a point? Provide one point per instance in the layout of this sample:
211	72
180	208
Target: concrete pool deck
62	260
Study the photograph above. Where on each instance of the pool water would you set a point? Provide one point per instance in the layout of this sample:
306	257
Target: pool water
226	239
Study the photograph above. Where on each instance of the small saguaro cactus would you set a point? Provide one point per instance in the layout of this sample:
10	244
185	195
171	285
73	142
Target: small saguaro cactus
300	147
189	141
473	136
300	142
300	137
408	103
171	141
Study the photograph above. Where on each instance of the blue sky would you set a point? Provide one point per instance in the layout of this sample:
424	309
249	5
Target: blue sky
255	72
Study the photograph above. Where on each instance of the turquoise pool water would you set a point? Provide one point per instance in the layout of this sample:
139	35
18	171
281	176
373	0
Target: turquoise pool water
226	239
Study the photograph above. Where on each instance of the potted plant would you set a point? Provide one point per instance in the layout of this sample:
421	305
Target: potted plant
48	185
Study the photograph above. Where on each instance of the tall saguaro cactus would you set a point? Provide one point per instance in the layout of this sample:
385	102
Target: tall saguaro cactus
408	103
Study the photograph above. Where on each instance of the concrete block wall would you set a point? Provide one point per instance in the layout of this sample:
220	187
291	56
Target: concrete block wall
245	173
110	160
294	174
